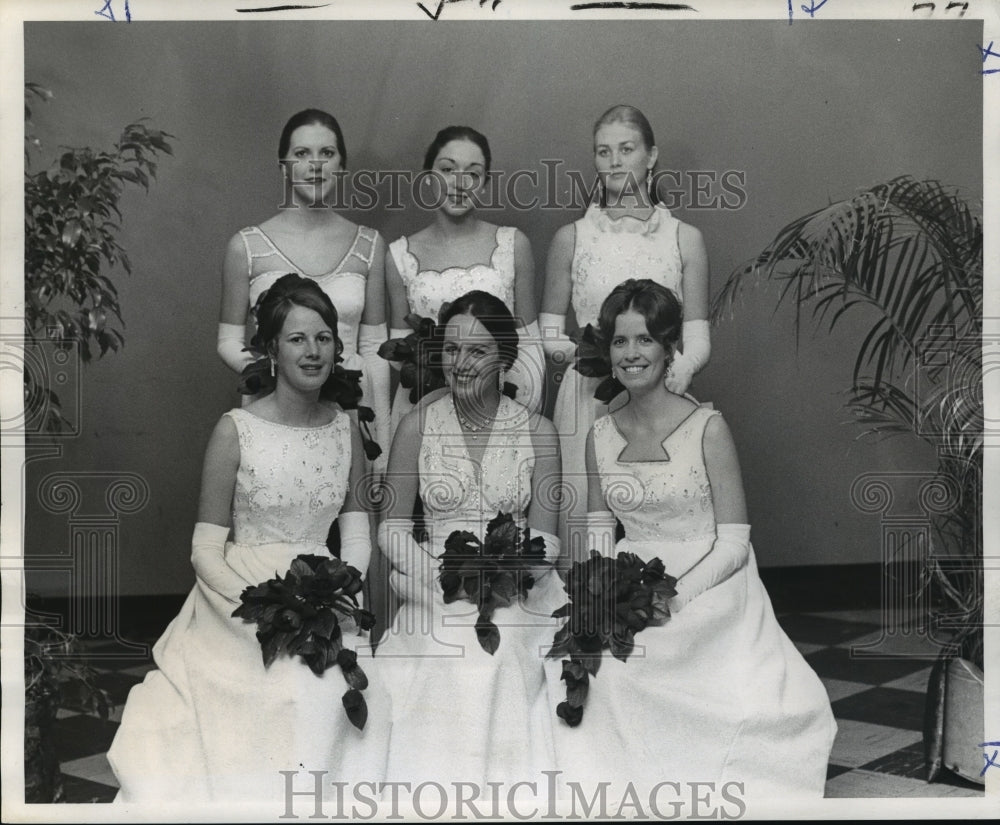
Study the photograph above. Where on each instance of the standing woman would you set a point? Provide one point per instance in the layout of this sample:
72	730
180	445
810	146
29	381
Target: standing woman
212	723
459	252
717	693
627	233
463	711
309	237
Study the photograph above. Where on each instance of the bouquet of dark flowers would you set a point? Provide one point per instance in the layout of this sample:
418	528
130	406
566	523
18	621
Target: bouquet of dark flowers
342	387
420	356
305	613
610	600
490	573
592	360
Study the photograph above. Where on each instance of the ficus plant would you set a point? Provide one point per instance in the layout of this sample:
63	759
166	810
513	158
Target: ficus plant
72	218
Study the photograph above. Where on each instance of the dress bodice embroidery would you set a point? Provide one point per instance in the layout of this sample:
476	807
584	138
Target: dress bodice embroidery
663	500
344	284
428	289
611	250
458	495
291	482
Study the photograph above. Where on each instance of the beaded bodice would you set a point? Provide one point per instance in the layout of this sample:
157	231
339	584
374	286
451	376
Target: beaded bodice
344	284
454	490
667	499
611	250
428	289
291	482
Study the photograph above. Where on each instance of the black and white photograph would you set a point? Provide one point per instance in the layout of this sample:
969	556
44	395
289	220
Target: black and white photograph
499	410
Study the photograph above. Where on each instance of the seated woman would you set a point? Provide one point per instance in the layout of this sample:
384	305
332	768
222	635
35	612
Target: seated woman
470	702
716	692
212	723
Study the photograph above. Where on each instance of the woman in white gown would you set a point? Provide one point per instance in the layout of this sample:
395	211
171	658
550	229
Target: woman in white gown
627	233
212	723
459	252
459	712
310	237
717	693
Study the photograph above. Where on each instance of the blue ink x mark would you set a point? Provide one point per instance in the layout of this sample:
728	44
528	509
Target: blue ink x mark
108	12
814	7
991	761
988	52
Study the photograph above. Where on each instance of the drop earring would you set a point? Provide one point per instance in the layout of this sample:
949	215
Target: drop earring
649	183
500	381
272	366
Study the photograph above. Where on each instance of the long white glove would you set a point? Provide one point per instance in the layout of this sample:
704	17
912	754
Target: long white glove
556	343
697	349
413	567
208	545
232	348
553	547
730	552
601	533
397	332
355	540
376	372
528	371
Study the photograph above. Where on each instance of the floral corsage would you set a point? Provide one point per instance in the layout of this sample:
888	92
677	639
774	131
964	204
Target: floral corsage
592	360
490	573
305	614
420	357
610	600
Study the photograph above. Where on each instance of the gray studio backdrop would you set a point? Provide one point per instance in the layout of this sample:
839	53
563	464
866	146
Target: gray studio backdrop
806	113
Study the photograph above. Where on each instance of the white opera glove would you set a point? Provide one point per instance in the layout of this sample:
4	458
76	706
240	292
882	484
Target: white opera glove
376	372
730	552
232	347
398	332
208	557
355	540
556	343
697	349
413	567
553	546
601	533
528	371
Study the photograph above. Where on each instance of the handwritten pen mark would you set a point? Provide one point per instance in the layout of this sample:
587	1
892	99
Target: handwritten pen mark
813	7
917	6
282	8
991	761
988	52
437	14
652	6
107	12
965	8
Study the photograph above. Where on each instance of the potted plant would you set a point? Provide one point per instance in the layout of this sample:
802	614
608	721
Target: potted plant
54	678
911	251
71	222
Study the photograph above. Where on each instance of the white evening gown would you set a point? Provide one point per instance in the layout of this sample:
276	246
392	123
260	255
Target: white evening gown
607	252
459	713
718	693
345	285
211	723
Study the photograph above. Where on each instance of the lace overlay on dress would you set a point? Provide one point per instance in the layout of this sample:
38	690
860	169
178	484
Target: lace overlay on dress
428	289
609	251
290	479
454	490
344	284
665	500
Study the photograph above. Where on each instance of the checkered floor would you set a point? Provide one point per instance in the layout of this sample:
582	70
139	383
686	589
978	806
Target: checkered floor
878	701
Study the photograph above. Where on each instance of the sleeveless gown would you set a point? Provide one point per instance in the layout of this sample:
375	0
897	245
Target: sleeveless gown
607	252
716	694
211	723
428	289
460	713
345	285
